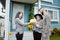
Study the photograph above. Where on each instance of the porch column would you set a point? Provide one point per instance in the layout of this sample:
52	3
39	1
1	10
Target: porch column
7	19
39	4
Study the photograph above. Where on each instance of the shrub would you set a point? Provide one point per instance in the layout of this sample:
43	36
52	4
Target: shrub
55	31
1	38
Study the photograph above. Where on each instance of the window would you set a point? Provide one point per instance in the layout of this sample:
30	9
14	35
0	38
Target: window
51	1
54	14
50	14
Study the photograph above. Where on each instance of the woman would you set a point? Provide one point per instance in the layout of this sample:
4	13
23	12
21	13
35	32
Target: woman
19	26
37	28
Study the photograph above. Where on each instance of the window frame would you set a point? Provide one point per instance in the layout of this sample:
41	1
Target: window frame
53	20
50	1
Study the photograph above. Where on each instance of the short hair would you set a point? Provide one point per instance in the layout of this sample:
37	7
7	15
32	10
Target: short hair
39	16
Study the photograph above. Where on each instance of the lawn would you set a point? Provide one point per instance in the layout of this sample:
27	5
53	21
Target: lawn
55	37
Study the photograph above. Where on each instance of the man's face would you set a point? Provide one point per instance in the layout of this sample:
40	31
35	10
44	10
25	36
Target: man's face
42	11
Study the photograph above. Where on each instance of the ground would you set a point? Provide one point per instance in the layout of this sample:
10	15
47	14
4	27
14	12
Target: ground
29	36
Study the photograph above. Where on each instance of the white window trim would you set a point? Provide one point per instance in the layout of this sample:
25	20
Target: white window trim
52	20
48	1
50	5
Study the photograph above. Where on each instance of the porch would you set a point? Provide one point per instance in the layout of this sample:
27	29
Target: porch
7	16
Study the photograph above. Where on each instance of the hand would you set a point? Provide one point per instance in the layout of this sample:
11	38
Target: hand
44	35
32	23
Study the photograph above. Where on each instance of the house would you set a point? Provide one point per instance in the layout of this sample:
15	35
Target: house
52	7
13	6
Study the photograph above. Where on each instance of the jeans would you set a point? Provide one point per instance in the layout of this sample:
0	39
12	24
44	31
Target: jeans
19	36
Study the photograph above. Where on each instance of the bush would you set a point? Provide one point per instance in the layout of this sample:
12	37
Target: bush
55	31
1	38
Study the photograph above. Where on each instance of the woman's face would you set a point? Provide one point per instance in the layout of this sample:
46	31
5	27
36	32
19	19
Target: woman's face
20	15
38	18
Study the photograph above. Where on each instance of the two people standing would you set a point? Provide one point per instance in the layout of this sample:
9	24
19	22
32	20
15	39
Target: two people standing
40	29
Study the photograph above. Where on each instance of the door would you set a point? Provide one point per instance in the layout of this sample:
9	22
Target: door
17	8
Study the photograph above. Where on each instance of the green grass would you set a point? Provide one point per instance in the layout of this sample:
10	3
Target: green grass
54	37
1	38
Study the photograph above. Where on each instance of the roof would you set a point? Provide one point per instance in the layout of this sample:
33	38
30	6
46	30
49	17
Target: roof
26	1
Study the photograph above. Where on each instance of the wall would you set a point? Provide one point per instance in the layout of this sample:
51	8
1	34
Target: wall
55	3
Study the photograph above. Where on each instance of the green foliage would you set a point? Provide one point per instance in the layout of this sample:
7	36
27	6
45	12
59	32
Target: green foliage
54	37
55	31
1	38
31	14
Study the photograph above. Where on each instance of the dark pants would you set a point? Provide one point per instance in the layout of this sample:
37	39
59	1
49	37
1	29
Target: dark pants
19	36
37	36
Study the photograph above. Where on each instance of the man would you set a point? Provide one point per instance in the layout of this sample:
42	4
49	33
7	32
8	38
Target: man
46	24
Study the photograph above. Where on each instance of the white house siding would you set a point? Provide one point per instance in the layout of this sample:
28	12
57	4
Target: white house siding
0	7
1	21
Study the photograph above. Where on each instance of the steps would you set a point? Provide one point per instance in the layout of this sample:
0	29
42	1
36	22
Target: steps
28	36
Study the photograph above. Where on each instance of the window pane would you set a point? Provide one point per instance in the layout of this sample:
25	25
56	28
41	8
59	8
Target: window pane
55	15
50	14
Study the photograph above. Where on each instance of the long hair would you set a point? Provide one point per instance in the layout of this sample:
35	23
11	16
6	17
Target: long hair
17	15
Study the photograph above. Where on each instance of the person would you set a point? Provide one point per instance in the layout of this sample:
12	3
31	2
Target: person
46	24
19	25
37	27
